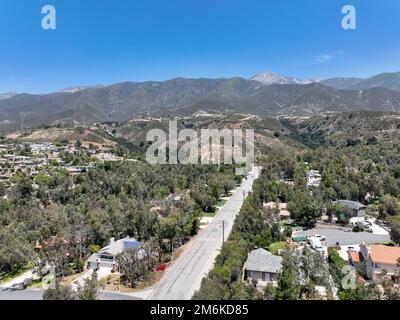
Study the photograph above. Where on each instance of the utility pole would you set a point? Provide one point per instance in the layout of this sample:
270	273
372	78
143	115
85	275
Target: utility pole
172	251
223	232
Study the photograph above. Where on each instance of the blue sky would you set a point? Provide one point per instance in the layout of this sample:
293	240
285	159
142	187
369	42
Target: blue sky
104	41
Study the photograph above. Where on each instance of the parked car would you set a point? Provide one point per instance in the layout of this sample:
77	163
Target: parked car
364	225
367	224
320	237
315	244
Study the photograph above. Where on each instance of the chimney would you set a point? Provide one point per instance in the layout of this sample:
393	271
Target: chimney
365	251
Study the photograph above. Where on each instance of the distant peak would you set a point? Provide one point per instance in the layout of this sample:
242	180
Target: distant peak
7	95
77	89
269	78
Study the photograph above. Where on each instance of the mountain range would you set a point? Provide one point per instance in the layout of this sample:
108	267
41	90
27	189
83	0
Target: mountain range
384	80
180	96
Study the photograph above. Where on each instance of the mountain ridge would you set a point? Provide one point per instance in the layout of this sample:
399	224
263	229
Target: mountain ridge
389	80
181	96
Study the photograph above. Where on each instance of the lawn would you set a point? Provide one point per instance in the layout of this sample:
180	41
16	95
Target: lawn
221	202
276	246
293	227
209	214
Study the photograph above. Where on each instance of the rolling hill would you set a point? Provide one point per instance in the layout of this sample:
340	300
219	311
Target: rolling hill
346	129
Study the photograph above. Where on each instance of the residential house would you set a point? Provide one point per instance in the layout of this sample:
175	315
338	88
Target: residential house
74	170
379	258
107	256
282	207
262	266
314	179
108	157
353	208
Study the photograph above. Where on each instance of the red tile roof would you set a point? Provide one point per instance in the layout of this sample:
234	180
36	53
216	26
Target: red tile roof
385	254
355	256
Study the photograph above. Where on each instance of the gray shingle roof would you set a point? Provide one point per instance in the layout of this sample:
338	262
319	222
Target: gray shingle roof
351	204
93	257
119	246
264	261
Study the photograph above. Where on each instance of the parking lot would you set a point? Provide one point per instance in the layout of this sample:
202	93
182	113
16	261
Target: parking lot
344	237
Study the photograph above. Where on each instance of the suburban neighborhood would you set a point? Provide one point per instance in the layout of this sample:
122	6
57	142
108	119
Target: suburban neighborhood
202	158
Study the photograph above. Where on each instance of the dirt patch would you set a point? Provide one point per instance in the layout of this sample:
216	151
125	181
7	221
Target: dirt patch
86	136
179	251
113	283
67	281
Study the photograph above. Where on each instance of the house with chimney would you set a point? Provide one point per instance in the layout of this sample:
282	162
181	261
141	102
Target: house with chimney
376	258
107	256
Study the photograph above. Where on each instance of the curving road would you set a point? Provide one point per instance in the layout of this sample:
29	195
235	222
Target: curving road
184	277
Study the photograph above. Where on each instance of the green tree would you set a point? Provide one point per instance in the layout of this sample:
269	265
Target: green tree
269	292
304	209
88	291
394	223
388	206
59	292
288	284
136	264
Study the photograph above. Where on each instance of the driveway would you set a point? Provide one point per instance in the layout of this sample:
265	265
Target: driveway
343	237
377	229
101	274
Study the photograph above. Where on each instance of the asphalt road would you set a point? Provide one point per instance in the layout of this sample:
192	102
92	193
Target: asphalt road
36	294
184	277
343	237
27	294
